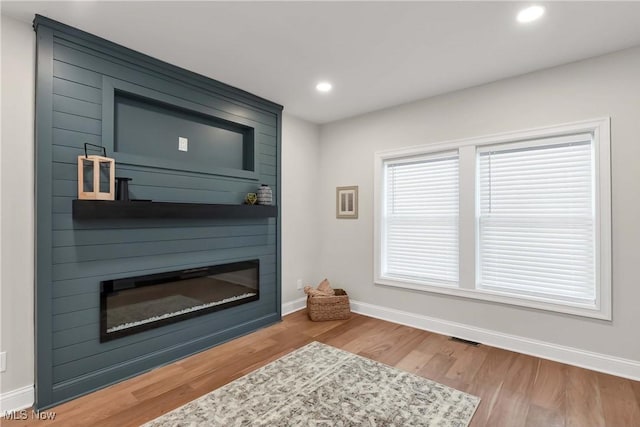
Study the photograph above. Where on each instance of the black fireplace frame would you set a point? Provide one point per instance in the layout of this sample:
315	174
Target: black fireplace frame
107	287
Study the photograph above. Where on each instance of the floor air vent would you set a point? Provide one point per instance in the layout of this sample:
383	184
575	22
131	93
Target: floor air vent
460	340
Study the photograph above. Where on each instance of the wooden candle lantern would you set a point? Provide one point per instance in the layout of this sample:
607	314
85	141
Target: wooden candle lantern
97	163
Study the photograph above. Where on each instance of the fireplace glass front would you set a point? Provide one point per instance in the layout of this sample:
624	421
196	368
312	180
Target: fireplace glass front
134	304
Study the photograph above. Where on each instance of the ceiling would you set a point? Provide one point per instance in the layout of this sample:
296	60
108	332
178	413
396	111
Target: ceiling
376	54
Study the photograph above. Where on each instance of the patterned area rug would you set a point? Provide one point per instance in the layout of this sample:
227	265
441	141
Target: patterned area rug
318	385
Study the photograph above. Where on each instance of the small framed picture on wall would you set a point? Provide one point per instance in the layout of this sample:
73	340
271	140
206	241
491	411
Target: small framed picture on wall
347	202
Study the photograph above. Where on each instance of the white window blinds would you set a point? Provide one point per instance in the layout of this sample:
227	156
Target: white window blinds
537	219
420	219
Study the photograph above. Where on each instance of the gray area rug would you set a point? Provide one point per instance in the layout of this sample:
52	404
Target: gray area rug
318	385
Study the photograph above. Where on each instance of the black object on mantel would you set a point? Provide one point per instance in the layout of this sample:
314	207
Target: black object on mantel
119	209
122	188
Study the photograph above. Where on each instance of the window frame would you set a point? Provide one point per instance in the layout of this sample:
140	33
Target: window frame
468	213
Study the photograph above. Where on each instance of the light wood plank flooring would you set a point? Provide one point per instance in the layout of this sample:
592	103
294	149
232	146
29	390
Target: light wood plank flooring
516	390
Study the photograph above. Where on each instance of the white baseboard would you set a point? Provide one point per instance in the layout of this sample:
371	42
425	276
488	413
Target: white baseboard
17	399
295	305
573	356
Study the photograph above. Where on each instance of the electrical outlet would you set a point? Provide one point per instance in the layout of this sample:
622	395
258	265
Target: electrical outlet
299	284
3	361
183	144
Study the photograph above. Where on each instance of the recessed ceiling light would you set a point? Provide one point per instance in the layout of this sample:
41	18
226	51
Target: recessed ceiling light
530	14
323	87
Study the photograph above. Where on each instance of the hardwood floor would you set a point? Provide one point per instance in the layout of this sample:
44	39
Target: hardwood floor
516	389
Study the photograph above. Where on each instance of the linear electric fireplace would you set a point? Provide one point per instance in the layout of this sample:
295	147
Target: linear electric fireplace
134	304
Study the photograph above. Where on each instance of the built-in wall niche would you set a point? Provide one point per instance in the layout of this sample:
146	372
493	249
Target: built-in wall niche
145	127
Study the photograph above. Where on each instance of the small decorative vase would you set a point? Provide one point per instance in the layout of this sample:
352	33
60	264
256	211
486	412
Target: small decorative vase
122	188
265	195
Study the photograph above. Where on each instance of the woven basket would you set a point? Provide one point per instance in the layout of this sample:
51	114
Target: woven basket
329	308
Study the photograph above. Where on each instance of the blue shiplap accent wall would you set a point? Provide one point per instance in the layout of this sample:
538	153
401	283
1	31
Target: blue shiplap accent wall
74	256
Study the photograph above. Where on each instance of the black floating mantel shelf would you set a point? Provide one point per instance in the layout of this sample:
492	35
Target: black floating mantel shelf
139	209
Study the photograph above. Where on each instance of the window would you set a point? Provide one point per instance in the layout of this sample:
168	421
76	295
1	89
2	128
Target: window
536	222
420	219
520	218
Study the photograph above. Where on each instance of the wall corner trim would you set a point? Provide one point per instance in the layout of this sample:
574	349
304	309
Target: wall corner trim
293	306
18	399
572	356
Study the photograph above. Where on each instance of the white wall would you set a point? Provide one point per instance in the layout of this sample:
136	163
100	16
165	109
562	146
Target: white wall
17	201
599	87
300	205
